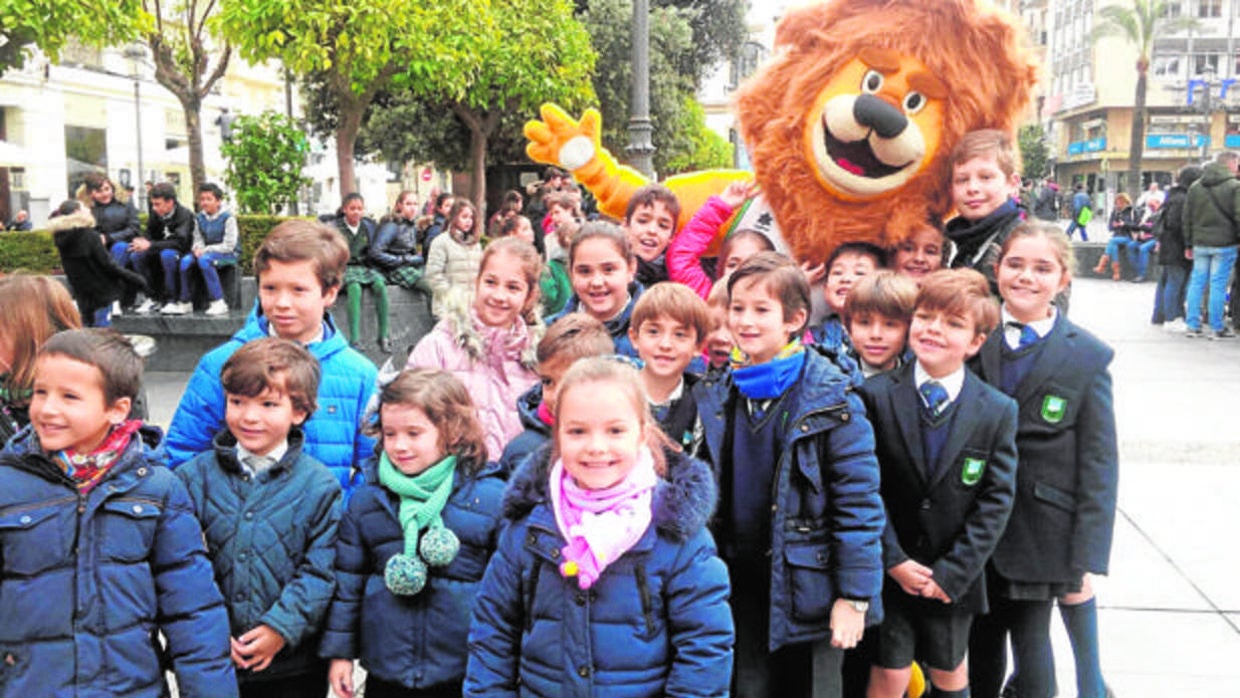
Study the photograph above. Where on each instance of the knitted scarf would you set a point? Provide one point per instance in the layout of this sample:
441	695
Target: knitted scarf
89	469
422	496
601	525
768	380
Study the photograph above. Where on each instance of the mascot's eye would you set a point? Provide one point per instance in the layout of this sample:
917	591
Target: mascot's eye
913	102
872	82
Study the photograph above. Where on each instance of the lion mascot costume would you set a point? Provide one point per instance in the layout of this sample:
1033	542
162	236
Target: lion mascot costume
850	123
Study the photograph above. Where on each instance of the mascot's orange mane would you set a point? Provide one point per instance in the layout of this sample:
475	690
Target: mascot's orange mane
970	68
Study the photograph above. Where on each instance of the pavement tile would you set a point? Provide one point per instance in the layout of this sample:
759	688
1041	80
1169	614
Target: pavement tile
1184	519
1160	585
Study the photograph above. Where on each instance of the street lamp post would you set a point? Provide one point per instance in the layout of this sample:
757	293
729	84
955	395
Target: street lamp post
135	53
641	148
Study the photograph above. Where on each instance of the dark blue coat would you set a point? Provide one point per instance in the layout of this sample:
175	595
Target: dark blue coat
827	519
952	521
87	583
617	327
536	433
1064	517
272	542
656	623
118	221
416	641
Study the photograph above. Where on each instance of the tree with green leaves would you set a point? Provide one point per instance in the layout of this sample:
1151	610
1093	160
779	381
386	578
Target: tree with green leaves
183	45
265	158
527	53
1139	22
49	24
358	48
1033	156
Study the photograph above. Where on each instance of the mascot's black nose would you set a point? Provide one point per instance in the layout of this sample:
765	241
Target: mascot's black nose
885	119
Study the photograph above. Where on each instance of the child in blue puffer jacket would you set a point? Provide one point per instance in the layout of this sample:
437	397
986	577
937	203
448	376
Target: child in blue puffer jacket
414	543
101	553
606	581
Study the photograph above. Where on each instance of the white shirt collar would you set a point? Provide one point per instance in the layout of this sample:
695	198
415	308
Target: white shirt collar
673	396
952	382
276	454
1011	334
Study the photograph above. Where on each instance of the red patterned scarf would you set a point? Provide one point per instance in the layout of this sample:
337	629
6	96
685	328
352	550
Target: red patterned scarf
88	469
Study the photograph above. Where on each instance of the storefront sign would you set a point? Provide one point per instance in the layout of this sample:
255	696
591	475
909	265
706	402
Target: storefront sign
1155	141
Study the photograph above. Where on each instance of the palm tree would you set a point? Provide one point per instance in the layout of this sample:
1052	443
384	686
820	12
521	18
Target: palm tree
1139	22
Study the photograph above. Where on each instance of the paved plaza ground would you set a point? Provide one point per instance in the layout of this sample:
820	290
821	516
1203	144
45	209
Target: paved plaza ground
1170	618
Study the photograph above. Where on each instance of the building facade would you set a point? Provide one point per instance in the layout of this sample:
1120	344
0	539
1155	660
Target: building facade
1090	85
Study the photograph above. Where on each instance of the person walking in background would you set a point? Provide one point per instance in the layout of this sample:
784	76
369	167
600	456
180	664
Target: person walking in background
1210	241
20	223
1169	231
1080	204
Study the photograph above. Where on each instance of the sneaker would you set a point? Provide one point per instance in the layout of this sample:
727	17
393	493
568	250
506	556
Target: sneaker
1225	333
1192	333
175	308
116	309
217	307
145	307
1176	326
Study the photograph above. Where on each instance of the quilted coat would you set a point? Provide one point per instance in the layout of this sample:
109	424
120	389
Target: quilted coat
656	623
88	583
417	641
272	541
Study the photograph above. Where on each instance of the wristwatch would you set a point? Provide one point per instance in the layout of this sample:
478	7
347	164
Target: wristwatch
858	605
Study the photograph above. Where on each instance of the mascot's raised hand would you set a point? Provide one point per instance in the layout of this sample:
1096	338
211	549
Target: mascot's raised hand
560	140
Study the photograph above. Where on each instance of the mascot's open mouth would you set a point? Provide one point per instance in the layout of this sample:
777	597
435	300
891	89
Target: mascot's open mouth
857	157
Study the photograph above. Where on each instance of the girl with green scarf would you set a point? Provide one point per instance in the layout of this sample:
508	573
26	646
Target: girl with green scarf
414	543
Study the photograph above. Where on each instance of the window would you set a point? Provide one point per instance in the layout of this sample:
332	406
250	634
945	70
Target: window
1171	9
87	151
1205	63
1209	8
1168	67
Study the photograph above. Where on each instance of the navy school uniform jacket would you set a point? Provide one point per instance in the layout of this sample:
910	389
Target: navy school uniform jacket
1062	523
827	518
89	582
951	522
417	641
656	623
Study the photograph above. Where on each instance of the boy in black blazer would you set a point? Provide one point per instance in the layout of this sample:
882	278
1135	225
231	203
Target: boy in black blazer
947	450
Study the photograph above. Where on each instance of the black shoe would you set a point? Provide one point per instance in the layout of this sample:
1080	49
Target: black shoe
385	345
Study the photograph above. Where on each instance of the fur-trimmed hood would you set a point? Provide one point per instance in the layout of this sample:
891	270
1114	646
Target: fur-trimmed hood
81	218
481	344
684	500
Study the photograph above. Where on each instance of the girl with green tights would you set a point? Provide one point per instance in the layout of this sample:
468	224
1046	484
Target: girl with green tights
359	232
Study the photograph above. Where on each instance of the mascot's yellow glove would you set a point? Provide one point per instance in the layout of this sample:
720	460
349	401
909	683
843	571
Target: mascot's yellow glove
560	140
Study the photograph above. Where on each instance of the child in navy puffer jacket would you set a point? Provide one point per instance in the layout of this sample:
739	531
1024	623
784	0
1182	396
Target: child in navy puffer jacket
606	581
414	543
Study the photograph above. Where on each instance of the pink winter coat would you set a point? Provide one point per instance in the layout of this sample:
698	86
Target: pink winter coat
495	364
685	251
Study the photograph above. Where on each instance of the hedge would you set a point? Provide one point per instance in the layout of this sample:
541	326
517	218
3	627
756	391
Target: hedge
36	253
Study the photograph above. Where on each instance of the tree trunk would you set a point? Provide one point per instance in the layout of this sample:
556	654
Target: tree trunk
346	138
193	132
1136	146
480	130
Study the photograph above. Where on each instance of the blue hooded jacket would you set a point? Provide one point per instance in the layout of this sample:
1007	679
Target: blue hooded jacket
416	641
332	433
656	623
89	582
